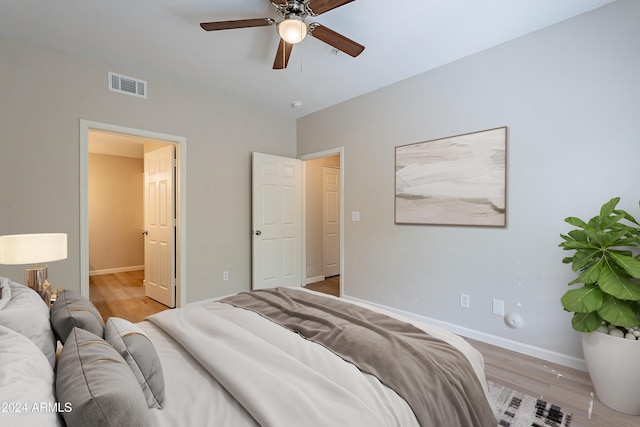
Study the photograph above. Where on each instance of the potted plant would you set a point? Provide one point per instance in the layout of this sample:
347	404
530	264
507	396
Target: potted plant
607	306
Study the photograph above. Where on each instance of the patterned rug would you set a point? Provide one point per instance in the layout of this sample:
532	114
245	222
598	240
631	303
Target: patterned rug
520	410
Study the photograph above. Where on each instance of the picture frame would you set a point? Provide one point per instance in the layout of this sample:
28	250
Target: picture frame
457	180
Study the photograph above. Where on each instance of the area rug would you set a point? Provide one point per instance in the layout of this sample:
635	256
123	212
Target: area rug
519	410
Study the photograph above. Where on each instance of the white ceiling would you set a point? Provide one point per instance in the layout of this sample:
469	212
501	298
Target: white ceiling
162	39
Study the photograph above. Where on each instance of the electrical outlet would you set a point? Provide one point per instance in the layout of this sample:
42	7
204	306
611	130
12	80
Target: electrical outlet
225	275
464	300
498	307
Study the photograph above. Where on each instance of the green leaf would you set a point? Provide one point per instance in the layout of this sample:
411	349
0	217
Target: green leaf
608	208
583	300
611	222
627	216
595	238
592	273
579	235
620	252
614	281
614	238
576	222
575	281
630	264
594	223
586	322
618	312
571	245
583	258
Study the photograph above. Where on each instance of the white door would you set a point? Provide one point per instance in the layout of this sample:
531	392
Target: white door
331	220
159	212
276	221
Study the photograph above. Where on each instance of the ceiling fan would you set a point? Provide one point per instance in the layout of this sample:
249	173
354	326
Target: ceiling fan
292	27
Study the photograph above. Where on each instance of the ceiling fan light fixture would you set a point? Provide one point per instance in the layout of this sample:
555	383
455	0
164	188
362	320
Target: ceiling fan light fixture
293	30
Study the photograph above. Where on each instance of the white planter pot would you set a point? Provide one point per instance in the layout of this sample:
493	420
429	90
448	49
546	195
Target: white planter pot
614	368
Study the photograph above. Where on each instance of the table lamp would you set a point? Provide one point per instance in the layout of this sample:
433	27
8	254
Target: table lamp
33	249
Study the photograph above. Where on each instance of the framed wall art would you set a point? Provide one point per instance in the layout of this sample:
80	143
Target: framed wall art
459	180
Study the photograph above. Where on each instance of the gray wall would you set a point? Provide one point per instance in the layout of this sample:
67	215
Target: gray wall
570	96
44	94
116	213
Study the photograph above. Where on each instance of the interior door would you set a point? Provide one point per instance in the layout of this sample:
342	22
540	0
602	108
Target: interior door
331	220
276	221
159	246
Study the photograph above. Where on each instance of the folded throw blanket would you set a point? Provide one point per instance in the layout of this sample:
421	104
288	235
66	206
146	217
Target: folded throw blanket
435	379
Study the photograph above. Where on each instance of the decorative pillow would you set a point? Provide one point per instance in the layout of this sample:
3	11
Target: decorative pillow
138	351
97	383
27	314
72	309
26	383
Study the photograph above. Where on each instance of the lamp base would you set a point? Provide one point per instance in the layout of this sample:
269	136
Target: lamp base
35	277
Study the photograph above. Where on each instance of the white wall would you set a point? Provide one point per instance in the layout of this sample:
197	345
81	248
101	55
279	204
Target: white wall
570	96
44	94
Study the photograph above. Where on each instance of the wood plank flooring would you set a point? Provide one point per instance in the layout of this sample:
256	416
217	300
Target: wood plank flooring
122	295
331	286
567	387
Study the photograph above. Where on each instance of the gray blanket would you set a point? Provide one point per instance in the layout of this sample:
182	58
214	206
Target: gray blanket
432	376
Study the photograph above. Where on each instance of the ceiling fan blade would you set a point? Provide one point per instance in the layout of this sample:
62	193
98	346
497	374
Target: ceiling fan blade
282	56
336	40
239	23
321	6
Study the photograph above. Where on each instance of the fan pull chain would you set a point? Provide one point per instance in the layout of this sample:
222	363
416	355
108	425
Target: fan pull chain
301	59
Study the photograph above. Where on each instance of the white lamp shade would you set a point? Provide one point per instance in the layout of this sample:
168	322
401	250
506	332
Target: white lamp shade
33	248
292	30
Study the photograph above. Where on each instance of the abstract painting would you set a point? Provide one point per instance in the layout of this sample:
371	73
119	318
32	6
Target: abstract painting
459	180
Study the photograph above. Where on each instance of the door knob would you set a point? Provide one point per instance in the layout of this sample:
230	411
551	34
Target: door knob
145	232
258	232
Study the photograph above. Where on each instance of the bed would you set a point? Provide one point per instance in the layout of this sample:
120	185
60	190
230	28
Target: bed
276	357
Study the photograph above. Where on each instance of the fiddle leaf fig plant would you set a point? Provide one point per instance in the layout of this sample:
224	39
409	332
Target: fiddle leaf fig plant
607	259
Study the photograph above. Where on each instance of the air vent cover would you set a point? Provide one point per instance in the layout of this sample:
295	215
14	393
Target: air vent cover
127	85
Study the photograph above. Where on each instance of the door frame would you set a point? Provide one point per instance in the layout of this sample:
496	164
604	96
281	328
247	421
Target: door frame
313	156
181	203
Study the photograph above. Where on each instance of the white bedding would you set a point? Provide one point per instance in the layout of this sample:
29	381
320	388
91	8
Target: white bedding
264	370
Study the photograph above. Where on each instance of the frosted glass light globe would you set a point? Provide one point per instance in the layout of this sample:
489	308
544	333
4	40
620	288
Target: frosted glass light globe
293	30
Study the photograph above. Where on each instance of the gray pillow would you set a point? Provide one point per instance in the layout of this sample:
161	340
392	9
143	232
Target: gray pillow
94	380
25	312
138	351
72	309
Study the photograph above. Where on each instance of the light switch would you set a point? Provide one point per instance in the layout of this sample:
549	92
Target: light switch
355	216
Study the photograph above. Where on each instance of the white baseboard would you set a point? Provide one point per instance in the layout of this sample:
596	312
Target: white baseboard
529	350
116	270
315	279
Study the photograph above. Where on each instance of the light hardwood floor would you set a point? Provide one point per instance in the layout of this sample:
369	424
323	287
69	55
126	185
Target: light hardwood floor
122	295
569	388
331	286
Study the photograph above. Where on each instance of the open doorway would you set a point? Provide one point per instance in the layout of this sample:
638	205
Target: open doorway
118	222
323	220
139	141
